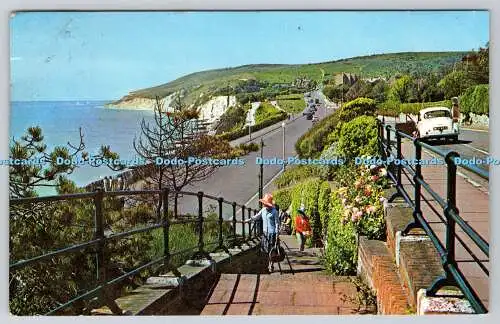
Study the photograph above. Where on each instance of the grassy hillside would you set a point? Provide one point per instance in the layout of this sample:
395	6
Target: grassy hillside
386	65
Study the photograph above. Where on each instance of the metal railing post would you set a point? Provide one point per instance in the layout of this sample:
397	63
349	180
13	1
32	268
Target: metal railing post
399	157
243	220
166	228
388	146
99	234
176	197
451	205
221	239
234	220
200	221
418	195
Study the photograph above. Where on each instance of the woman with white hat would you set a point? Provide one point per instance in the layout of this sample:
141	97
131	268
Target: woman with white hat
270	220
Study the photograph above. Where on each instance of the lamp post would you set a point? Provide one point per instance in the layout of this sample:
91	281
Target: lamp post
261	172
283	124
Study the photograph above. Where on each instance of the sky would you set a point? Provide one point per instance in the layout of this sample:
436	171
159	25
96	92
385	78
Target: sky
104	55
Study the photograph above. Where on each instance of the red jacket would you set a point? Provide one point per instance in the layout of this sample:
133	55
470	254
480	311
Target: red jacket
302	224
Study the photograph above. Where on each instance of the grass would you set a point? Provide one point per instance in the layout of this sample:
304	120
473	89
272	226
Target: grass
265	111
385	65
292	103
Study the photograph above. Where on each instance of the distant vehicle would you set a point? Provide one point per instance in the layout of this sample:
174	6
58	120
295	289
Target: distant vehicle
309	117
307	112
436	122
315	119
316	101
311	101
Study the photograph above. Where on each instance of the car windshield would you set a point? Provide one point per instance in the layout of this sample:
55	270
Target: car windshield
437	113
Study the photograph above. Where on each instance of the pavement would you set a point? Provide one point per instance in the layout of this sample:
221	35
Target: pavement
301	288
473	206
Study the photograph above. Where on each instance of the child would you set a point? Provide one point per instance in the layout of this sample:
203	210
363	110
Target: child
302	228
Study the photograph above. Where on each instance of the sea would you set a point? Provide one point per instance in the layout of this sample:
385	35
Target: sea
61	120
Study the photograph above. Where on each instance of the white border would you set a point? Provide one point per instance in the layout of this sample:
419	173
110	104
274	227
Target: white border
9	5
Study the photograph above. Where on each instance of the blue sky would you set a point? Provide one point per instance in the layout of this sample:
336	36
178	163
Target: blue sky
103	56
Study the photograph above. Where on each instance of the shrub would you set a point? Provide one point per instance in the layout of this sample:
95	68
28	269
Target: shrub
324	205
476	100
341	252
244	131
306	194
295	174
311	143
358	137
283	198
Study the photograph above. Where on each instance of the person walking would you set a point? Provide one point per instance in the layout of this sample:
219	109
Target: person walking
270	220
302	228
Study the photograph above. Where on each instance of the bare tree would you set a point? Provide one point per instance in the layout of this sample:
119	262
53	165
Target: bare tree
169	141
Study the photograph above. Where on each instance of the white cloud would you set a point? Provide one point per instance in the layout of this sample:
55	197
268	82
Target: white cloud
16	58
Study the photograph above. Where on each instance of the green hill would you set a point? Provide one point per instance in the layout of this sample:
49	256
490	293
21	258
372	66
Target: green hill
384	65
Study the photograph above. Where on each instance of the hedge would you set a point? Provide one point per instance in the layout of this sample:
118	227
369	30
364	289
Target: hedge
307	193
295	174
244	131
390	108
476	100
341	251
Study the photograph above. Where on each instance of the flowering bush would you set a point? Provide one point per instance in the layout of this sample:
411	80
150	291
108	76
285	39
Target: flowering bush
362	203
356	208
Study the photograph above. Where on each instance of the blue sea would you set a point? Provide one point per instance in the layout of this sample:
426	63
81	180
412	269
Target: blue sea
60	122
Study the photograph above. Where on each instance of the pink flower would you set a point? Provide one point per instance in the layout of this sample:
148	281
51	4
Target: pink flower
371	209
375	177
368	191
382	199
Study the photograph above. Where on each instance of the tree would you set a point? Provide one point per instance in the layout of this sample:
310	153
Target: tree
400	91
455	83
175	134
48	171
41	227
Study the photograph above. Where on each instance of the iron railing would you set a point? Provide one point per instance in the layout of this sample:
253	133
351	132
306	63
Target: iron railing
99	241
450	214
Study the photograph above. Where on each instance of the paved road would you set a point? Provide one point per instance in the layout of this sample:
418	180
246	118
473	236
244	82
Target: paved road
240	184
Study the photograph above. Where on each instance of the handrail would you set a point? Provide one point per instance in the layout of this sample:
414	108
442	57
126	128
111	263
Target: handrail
453	275
100	238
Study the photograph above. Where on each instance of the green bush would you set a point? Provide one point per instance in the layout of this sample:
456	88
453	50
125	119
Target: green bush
476	100
283	198
414	108
312	142
306	194
341	251
324	205
358	137
391	108
244	131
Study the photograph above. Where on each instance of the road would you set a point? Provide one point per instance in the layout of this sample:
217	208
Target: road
240	183
471	144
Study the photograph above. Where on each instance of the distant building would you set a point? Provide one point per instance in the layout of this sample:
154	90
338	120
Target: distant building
345	78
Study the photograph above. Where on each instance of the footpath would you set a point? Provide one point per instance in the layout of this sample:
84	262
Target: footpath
300	288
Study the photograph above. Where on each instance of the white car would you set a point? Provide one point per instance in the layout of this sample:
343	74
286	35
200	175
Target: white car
436	122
